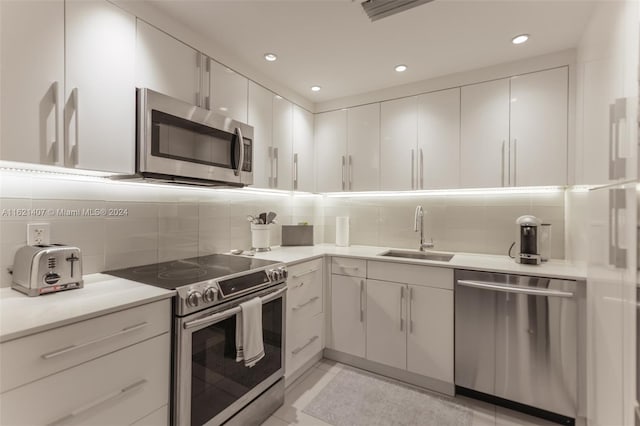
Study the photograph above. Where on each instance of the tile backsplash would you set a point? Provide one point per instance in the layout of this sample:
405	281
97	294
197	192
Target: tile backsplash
120	224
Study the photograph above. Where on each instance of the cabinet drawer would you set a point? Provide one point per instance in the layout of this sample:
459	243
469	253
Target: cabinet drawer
304	341
349	266
116	389
160	417
411	274
30	358
304	299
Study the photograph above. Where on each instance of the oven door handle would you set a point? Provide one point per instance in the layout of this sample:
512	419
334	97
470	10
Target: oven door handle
212	319
240	142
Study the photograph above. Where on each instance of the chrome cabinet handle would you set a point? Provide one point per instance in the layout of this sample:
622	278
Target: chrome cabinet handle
502	167
299	349
421	169
350	173
310	271
410	309
413	171
617	163
55	146
401	306
506	288
93	342
509	164
241	148
72	152
270	150
302	305
361	294
617	254
295	171
277	173
200	77
102	400
217	317
515	162
343	167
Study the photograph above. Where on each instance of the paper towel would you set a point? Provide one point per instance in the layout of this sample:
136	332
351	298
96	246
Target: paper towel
342	231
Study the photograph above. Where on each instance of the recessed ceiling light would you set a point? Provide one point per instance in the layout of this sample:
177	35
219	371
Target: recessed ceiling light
270	57
315	88
519	39
401	68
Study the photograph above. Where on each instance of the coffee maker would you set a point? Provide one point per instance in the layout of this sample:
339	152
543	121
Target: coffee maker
528	240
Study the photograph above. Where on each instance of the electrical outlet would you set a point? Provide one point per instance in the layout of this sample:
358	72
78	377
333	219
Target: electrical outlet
37	233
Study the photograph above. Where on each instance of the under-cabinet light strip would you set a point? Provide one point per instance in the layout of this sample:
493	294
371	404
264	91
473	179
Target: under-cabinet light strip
450	192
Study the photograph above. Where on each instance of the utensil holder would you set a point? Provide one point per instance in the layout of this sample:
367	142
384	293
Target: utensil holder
260	237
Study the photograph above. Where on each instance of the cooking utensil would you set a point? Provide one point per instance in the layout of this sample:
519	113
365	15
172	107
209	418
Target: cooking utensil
270	217
263	218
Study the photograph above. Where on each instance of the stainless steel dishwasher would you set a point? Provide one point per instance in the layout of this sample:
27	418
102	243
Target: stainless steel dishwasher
517	341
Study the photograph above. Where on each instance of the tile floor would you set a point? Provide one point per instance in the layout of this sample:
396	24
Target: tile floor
303	390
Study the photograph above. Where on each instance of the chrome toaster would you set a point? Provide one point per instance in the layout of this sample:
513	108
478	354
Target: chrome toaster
42	269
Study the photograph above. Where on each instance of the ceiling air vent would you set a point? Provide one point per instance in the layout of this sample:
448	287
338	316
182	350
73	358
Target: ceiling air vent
378	9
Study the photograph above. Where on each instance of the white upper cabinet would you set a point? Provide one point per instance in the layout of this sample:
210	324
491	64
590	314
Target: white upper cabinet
229	92
260	116
484	135
100	92
330	151
363	148
167	65
282	143
438	155
31	81
399	134
539	128
303	164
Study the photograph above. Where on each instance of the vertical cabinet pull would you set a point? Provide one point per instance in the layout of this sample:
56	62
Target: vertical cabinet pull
350	173
617	119
401	308
343	167
502	167
275	175
199	77
413	168
509	164
410	309
55	145
71	152
515	161
270	152
617	202
361	294
421	169
295	172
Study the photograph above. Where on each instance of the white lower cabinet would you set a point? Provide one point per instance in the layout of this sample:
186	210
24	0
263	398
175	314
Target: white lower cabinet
113	369
157	418
386	332
305	316
347	332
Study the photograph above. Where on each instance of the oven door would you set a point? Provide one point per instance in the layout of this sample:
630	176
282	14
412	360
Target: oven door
181	140
209	385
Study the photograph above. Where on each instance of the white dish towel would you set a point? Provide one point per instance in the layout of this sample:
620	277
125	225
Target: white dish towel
249	344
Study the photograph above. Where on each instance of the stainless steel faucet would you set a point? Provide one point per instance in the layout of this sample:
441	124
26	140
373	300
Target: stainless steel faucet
419	223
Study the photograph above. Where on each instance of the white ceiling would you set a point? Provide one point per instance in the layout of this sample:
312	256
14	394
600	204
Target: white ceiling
332	43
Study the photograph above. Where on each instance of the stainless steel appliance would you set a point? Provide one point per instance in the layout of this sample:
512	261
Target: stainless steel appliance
528	240
209	386
518	342
181	143
47	268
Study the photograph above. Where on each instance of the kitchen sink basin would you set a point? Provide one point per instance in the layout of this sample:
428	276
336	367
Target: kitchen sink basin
408	254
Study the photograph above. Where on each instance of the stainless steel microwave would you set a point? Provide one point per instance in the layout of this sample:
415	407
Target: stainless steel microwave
181	143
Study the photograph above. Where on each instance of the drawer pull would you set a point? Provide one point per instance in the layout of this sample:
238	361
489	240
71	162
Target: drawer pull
313	299
106	398
297	350
92	342
310	271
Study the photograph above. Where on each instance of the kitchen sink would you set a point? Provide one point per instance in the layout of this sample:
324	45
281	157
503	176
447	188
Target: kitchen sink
409	254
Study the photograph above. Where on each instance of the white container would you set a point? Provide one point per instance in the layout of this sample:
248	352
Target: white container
342	231
260	237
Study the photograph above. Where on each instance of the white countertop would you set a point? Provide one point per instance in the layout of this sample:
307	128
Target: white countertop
21	315
481	262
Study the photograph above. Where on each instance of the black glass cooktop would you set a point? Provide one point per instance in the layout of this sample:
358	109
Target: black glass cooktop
177	273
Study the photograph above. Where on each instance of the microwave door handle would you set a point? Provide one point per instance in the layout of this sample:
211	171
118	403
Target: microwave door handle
241	148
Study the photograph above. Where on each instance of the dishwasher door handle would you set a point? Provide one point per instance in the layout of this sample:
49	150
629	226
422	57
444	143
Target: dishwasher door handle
506	288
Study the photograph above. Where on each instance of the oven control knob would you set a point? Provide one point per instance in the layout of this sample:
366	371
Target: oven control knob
272	274
283	272
209	294
193	298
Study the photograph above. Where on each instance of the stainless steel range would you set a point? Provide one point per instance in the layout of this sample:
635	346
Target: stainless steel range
209	386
